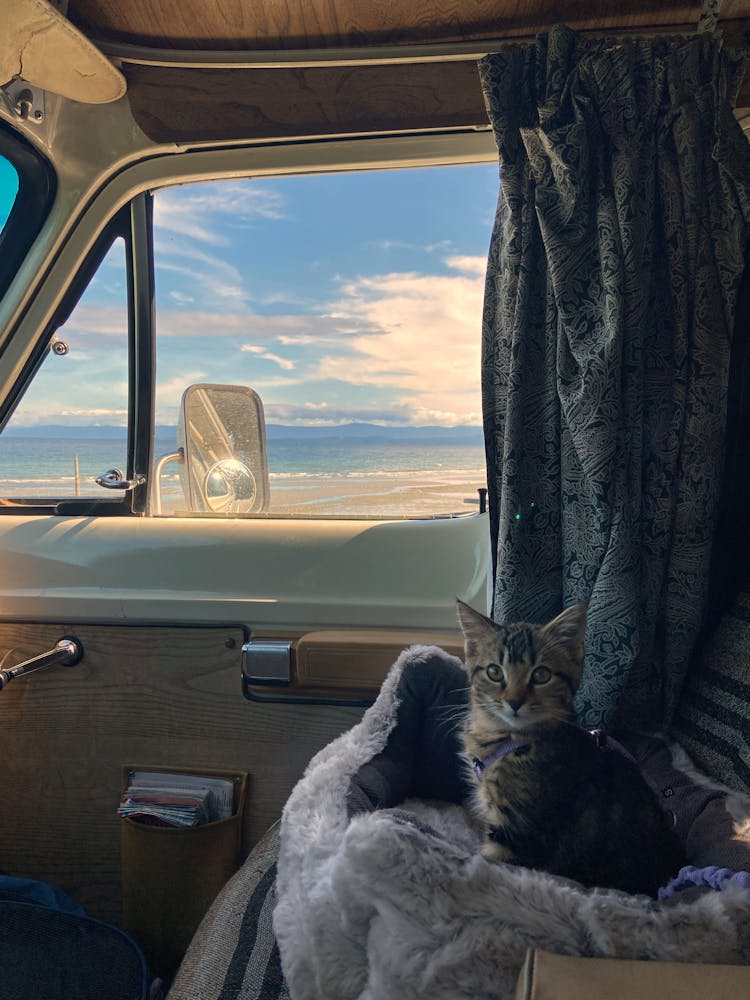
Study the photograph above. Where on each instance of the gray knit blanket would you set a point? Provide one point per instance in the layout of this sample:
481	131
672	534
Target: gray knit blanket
400	903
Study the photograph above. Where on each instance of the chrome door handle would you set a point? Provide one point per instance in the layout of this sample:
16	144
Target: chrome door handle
67	651
113	479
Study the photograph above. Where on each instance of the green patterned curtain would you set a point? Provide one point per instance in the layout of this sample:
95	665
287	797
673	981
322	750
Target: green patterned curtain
618	248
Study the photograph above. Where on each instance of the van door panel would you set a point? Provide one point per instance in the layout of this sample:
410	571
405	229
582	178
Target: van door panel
278	573
151	695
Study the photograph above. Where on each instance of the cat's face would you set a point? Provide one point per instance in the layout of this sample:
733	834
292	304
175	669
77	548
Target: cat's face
522	674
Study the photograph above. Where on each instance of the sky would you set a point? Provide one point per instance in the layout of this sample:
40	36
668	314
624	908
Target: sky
341	297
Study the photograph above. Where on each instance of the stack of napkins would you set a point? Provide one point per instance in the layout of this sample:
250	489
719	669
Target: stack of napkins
162	798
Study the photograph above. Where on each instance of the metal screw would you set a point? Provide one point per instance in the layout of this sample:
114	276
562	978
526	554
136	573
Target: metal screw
230	643
39	116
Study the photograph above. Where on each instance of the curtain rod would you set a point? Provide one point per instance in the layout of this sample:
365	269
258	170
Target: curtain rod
386	55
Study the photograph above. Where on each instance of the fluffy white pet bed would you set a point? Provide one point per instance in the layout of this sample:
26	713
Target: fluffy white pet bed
399	903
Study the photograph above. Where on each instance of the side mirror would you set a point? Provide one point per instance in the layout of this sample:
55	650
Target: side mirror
222	434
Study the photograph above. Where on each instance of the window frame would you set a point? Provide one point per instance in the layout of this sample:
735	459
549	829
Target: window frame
115	198
134	225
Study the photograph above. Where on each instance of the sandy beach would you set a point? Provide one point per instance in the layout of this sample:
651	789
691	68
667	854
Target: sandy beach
421	494
426	495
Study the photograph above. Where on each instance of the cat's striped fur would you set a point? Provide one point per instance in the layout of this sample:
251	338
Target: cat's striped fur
562	804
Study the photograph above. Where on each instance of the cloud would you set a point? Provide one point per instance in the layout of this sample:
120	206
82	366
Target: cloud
399	347
110	321
216	281
49	413
326	415
300	329
286	330
262	384
476	266
390	245
420	335
95	412
170	391
200	211
261	352
189	221
309	339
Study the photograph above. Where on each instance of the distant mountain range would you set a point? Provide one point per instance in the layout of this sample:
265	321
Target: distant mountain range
374	432
277	432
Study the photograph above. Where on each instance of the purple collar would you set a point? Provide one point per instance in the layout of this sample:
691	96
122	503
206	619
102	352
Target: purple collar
510	745
507	746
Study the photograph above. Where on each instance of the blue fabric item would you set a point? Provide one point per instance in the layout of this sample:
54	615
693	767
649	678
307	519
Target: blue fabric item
58	955
712	877
27	890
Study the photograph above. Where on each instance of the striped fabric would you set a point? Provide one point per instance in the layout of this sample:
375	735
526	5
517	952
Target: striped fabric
713	721
234	955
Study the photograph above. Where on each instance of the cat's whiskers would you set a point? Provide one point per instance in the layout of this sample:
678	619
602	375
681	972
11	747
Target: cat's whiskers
453	715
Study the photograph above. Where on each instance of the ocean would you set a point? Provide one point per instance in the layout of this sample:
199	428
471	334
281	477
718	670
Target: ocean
340	467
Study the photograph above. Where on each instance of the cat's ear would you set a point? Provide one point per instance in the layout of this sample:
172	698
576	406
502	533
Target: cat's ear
473	624
569	630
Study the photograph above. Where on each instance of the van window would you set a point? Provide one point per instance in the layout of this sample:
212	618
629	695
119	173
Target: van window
27	189
350	305
8	189
71	423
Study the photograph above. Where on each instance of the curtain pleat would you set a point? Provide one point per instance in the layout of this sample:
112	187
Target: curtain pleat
617	251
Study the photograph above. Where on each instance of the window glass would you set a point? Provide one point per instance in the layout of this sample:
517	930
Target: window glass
8	189
27	187
351	305
70	425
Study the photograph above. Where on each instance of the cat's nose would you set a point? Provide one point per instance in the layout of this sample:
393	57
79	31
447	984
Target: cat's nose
515	704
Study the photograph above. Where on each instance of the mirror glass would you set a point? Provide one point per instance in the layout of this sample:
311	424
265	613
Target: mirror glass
222	432
230	487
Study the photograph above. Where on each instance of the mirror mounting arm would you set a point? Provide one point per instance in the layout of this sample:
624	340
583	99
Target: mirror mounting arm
175	456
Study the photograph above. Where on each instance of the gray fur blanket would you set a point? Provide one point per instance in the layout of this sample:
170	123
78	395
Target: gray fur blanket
398	902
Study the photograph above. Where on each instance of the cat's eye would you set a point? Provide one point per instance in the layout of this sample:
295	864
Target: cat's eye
541	675
495	673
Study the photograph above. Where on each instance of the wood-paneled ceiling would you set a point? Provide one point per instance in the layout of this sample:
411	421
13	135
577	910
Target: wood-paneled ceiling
214	102
285	24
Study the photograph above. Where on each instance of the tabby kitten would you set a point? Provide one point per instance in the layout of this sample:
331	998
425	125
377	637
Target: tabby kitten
550	795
